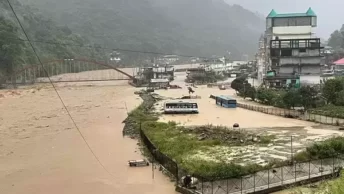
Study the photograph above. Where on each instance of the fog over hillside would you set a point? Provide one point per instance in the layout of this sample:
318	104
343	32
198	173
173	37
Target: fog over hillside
189	27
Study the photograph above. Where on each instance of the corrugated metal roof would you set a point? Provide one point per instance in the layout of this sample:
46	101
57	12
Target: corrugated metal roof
339	62
274	14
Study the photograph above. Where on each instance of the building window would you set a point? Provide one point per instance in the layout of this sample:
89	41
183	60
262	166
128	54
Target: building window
295	44
286	53
302	50
293	81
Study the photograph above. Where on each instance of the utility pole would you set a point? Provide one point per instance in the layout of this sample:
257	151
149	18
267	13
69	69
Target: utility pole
291	148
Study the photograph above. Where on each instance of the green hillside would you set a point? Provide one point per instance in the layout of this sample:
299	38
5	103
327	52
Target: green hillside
189	27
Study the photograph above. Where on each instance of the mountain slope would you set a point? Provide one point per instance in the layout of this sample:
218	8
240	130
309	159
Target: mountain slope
15	53
190	27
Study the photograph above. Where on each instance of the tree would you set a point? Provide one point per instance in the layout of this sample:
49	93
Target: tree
238	83
340	98
11	48
266	96
251	93
336	40
308	96
330	89
245	89
292	98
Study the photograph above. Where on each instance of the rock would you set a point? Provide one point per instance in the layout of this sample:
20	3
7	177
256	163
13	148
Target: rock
201	138
313	186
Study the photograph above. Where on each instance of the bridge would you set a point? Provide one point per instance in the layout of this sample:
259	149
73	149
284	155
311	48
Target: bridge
68	70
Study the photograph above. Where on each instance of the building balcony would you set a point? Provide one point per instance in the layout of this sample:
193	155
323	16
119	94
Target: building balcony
311	43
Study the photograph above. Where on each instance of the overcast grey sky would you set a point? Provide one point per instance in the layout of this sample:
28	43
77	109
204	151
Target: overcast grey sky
330	12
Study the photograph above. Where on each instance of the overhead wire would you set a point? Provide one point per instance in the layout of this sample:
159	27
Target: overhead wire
59	96
112	49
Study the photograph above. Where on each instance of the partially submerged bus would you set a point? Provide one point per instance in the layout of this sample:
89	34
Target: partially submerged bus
180	107
226	101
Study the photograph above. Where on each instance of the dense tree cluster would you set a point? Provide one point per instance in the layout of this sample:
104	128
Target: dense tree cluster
336	39
333	91
305	96
15	53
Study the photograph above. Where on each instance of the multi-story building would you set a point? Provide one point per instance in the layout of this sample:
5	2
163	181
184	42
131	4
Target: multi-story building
146	74
292	49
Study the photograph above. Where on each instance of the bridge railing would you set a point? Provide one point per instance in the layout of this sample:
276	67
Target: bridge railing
30	74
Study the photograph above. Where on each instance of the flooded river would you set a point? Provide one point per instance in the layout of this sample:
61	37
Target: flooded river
42	152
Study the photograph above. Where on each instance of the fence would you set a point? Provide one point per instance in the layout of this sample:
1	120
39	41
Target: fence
164	160
273	179
307	116
323	119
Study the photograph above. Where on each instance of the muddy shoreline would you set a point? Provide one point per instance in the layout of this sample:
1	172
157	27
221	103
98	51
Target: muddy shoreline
130	124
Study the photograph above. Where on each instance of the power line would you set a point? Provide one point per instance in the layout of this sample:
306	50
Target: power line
65	107
105	48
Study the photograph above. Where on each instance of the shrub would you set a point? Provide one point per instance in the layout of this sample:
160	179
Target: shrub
321	150
329	110
266	96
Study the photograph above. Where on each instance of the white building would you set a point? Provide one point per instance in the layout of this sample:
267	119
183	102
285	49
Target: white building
292	48
291	25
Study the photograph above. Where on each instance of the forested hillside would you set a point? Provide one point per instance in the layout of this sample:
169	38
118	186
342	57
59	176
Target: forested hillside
15	53
336	41
189	27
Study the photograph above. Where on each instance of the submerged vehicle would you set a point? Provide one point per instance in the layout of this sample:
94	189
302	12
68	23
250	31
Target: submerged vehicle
226	101
136	163
180	107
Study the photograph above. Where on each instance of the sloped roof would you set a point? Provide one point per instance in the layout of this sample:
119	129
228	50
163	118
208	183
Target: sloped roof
309	13
339	62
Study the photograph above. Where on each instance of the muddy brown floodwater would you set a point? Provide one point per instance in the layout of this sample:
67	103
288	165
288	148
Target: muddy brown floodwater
41	151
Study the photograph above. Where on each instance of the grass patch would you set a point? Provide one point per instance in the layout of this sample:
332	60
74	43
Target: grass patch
267	139
139	115
330	111
184	145
322	150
